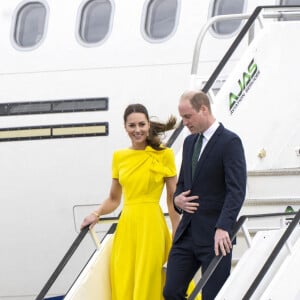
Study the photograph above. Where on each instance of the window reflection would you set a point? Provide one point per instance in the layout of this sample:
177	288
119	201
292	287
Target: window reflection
30	24
161	17
95	21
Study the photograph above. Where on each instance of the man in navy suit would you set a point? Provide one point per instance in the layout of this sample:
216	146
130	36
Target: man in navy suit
209	200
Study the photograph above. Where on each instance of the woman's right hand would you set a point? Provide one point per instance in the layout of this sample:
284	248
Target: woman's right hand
92	219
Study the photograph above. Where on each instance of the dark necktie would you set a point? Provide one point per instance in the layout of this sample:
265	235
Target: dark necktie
196	153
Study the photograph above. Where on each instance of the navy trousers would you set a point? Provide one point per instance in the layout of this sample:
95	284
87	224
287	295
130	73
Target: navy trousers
184	260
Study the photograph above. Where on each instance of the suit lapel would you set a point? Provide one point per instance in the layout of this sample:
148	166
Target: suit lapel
208	148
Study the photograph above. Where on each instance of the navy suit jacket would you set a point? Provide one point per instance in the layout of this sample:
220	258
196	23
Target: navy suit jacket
219	181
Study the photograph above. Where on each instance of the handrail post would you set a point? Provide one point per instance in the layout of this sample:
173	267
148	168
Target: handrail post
247	235
95	238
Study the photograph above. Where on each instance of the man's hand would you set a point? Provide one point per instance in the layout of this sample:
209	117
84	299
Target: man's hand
222	242
184	202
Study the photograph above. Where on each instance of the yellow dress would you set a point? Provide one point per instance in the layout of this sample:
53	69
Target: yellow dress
142	240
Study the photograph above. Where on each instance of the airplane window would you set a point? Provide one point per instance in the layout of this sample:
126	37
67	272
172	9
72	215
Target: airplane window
160	18
30	24
95	21
227	7
290	2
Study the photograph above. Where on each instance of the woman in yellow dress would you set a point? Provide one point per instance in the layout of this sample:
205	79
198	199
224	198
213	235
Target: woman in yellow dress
142	240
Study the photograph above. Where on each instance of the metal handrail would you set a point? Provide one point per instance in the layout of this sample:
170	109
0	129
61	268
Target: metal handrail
213	20
62	264
205	28
216	260
68	256
272	256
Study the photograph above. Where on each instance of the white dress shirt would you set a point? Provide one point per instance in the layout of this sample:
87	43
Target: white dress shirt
207	134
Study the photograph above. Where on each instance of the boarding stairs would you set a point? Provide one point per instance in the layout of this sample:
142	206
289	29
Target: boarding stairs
270	260
248	268
263	270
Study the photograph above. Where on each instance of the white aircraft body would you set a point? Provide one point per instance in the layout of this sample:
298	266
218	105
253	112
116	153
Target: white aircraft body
68	70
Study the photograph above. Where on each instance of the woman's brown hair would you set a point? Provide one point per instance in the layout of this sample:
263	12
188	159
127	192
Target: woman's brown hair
156	128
